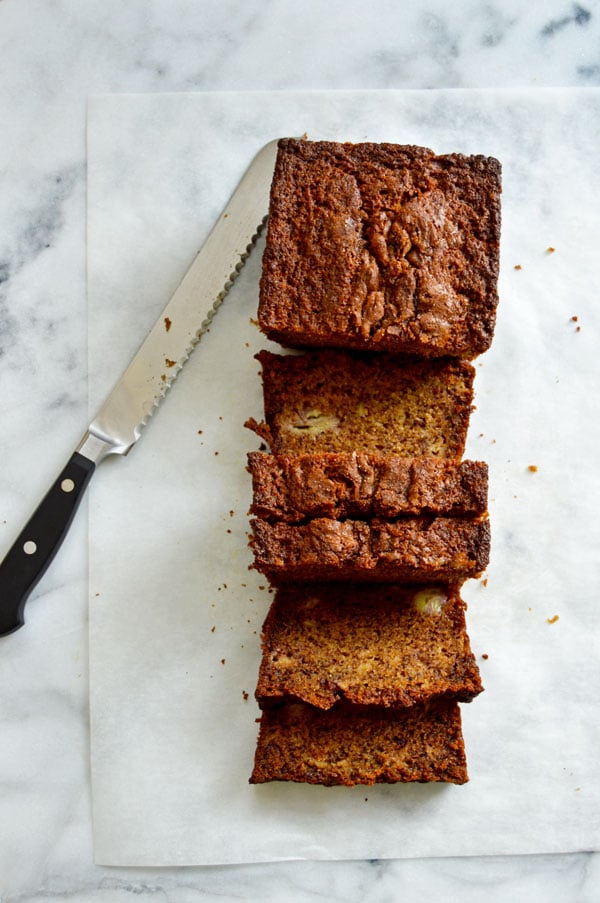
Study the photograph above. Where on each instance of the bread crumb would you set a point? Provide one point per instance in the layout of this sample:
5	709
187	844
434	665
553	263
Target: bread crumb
574	318
245	695
550	250
532	468
485	581
485	655
222	661
213	628
167	324
169	363
518	266
552	620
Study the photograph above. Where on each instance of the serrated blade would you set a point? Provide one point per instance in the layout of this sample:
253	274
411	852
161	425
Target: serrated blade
119	422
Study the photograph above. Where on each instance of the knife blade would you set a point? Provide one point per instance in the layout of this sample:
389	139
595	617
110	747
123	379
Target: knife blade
118	424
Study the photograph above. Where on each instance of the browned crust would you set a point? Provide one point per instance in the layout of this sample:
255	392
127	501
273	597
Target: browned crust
382	246
339	747
419	550
293	488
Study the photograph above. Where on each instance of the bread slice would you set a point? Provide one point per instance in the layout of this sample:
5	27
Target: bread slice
381	246
409	550
300	743
333	401
293	488
380	645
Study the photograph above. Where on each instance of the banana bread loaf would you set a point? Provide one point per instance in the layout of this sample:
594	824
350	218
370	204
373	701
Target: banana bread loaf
407	550
332	401
380	645
300	743
381	246
339	485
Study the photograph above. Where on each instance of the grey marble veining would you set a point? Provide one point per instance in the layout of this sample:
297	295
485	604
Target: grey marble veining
53	56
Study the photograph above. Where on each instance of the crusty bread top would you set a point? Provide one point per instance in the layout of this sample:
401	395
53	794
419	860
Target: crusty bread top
382	246
338	485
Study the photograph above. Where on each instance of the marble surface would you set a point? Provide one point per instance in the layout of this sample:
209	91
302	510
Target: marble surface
175	614
55	55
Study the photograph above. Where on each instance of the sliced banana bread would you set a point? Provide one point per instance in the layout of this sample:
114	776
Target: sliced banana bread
332	401
293	488
409	550
380	645
298	742
381	246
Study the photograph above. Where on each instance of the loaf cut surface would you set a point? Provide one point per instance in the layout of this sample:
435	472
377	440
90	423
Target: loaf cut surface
409	550
300	743
381	246
332	401
294	488
389	646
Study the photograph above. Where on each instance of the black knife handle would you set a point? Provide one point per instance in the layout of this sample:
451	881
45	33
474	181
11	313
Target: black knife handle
40	540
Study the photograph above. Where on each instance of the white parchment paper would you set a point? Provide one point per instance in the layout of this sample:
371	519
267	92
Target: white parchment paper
175	614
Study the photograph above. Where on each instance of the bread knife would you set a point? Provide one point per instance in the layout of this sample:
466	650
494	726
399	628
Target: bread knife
118	424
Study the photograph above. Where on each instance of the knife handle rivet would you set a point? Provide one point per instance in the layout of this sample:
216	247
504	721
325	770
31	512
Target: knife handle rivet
67	485
30	547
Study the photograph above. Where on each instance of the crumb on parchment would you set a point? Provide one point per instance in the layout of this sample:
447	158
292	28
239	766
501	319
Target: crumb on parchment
552	620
